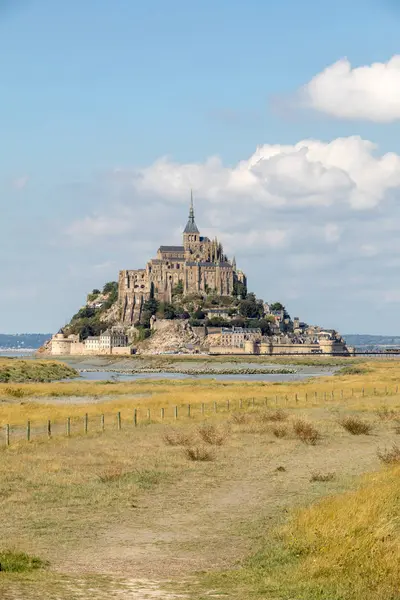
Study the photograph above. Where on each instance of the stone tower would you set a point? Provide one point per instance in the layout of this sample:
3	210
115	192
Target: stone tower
191	234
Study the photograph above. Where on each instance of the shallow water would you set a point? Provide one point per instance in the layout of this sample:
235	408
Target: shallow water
303	373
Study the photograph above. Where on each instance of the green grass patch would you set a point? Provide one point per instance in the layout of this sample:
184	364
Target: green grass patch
19	562
24	371
352	370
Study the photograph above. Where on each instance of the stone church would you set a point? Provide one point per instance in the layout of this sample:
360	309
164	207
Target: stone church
199	264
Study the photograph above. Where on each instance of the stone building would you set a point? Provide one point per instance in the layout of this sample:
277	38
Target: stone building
236	337
199	265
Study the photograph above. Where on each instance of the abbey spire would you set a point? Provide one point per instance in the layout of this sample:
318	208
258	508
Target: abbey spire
191	226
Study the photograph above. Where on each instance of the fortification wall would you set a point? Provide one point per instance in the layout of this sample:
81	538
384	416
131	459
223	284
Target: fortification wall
227	350
122	351
60	347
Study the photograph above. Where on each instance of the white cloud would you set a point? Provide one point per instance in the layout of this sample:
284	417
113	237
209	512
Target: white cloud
20	183
332	232
370	92
314	224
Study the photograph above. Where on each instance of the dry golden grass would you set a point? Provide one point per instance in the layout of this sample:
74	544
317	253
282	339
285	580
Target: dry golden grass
352	541
176	437
391	456
58	496
23	401
280	431
213	434
199	453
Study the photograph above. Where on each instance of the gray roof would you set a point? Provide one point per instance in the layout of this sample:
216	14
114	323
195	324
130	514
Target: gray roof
172	249
191	227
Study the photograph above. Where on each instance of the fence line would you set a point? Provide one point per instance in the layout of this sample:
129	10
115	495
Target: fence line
183	411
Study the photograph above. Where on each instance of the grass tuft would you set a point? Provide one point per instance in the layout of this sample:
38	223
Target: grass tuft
386	414
306	432
317	476
199	454
391	456
174	437
210	434
239	418
356	426
280	431
19	562
274	415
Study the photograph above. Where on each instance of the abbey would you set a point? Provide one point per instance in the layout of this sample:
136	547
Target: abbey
199	265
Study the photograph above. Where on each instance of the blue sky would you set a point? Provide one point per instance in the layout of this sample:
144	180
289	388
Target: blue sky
94	94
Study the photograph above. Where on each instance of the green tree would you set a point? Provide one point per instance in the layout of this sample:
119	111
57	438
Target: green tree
239	290
110	287
251	308
277	306
151	306
169	311
177	290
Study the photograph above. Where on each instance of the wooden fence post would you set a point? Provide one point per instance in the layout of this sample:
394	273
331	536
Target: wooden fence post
162	414
148	414
102	422
86	423
188	410
306	396
227	405
215	407
135	417
276	400
202	408
68	426
7	435
49	428
362	392
253	403
28	431
119	421
266	401
297	398
175	412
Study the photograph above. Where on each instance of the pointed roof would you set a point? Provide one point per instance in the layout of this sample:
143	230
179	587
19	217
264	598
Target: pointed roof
191	226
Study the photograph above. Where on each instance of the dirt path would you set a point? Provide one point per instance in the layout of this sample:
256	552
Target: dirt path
204	520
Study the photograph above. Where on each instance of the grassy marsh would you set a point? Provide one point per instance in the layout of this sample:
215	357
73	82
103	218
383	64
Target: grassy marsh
111	508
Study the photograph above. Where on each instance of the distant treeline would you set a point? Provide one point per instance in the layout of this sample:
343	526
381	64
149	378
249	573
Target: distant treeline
23	340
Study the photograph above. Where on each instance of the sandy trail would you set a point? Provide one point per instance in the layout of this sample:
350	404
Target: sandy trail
202	521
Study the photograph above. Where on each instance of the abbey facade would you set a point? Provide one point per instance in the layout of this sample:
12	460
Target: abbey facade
200	265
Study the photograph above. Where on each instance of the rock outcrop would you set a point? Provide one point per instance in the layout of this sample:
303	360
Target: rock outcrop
170	336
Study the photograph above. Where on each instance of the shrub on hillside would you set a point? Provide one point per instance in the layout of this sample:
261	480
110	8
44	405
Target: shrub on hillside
210	434
200	454
356	426
280	431
306	432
